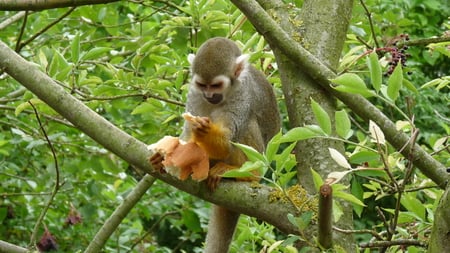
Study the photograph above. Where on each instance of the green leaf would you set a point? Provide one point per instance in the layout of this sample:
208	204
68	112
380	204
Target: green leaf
57	64
301	133
347	196
318	181
246	170
76	48
303	221
272	146
363	157
95	52
375	70
322	117
284	156
395	82
343	124
410	86
251	153
412	204
357	191
191	220
351	83
21	107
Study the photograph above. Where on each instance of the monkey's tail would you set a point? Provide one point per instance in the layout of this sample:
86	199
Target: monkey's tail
220	230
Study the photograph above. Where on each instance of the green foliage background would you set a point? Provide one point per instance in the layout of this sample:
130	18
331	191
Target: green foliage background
127	61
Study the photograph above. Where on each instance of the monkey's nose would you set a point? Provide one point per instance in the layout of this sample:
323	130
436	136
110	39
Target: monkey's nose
215	98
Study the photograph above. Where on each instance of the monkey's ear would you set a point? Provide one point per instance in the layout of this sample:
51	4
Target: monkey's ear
241	64
191	58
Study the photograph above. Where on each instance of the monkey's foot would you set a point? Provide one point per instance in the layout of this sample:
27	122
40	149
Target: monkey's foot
156	161
215	174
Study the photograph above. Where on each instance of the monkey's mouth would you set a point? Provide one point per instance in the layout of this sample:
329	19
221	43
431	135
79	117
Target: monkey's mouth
215	98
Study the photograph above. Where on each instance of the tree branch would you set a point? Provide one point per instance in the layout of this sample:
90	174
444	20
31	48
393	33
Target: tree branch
11	248
12	19
119	214
35	5
404	242
277	38
240	197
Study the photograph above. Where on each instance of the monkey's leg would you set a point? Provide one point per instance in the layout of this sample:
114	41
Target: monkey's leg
220	230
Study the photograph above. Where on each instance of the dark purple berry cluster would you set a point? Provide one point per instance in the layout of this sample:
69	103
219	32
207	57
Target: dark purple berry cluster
398	53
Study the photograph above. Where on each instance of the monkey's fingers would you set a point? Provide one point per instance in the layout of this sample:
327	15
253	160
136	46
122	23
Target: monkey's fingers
201	125
213	181
215	174
156	162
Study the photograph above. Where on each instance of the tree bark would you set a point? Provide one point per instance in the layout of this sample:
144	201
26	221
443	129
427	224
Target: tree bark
278	38
322	27
36	5
440	235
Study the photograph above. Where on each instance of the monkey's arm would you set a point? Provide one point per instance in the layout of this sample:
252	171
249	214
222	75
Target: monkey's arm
212	137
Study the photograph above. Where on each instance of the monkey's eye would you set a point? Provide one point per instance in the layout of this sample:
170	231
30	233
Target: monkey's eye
216	85
201	85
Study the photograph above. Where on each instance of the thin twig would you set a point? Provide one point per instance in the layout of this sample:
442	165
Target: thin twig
405	242
383	218
369	17
424	42
360	231
152	228
57	184
22	29
49	117
43	30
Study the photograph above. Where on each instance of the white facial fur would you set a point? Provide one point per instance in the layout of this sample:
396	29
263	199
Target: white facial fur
216	90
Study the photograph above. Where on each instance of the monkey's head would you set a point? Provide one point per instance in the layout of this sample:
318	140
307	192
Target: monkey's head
216	67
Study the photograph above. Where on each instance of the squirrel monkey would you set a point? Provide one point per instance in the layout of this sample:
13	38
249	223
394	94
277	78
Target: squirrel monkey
235	103
228	101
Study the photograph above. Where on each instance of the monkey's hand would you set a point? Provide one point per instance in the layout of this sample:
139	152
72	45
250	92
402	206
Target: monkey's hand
160	150
200	125
215	174
156	161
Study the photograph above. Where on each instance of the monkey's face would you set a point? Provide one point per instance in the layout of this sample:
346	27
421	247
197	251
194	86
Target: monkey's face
213	91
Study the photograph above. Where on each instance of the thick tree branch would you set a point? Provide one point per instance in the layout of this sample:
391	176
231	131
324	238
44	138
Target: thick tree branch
239	197
35	5
11	248
277	38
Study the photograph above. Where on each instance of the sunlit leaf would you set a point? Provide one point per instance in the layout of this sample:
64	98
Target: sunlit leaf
301	133
336	176
376	134
343	124
375	70
348	197
351	83
25	105
318	181
395	82
322	117
251	153
95	53
272	146
339	158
